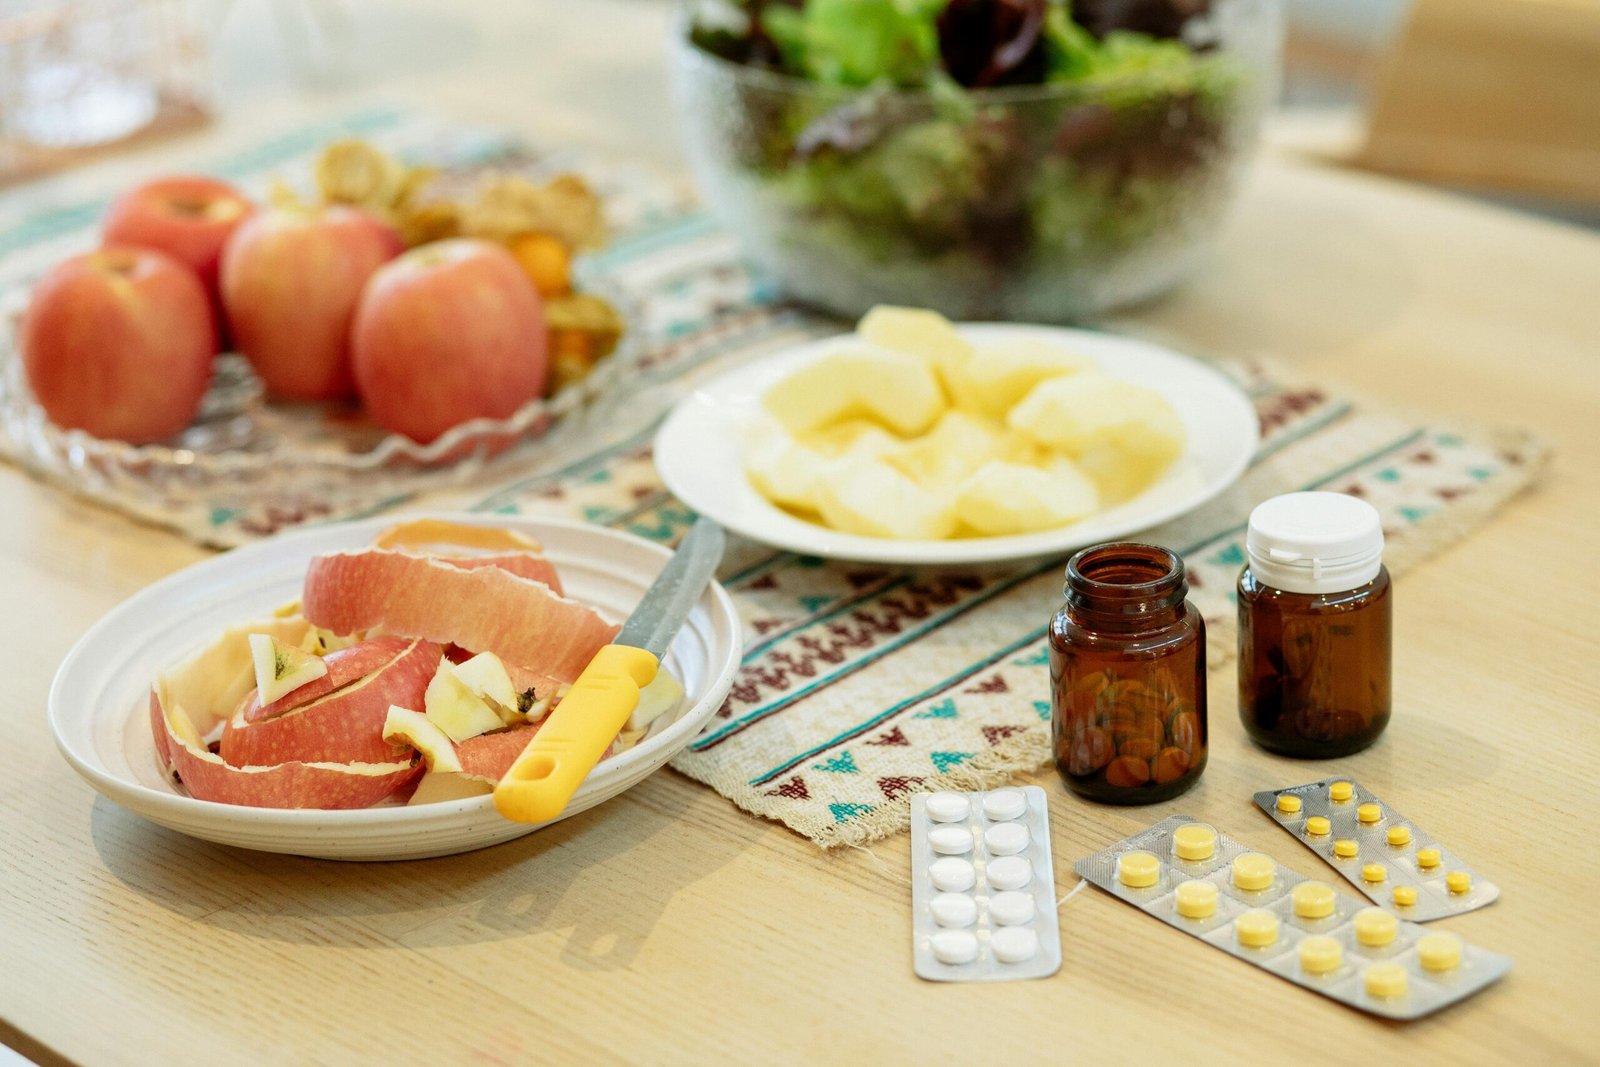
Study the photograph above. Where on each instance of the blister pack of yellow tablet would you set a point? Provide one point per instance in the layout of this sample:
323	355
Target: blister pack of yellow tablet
1211	887
1377	849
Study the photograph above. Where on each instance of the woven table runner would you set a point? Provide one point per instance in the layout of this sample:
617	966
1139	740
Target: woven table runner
862	683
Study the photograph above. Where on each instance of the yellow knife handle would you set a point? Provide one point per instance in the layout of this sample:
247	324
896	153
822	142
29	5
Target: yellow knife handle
577	733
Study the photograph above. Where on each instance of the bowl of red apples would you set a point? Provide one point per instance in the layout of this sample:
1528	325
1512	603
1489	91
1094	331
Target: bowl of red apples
394	327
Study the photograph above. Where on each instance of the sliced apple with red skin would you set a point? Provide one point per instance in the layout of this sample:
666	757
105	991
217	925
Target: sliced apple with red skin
485	609
295	784
345	726
345	666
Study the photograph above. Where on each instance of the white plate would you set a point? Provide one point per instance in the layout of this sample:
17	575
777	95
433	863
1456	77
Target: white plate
700	453
98	702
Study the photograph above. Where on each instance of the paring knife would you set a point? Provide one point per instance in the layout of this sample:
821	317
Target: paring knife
581	728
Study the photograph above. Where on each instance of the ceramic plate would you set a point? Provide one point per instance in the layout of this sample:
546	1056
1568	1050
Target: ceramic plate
98	702
700	452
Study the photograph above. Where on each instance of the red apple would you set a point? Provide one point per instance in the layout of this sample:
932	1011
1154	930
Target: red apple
187	217
448	332
290	282
118	342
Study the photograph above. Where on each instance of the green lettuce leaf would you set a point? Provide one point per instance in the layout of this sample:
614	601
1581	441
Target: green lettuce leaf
858	42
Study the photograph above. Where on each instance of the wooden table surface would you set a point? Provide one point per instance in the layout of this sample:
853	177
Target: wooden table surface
667	927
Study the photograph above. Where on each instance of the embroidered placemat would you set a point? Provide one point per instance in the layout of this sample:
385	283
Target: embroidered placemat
861	683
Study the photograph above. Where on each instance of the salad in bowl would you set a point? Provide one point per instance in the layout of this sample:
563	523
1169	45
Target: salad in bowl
1031	160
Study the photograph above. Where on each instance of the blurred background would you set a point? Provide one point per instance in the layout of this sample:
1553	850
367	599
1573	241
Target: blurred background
1496	98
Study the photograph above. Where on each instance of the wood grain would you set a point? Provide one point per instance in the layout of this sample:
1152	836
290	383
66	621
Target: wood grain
666	927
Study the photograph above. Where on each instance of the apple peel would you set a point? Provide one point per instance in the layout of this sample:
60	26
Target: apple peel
286	785
483	608
344	726
489	756
345	666
429	534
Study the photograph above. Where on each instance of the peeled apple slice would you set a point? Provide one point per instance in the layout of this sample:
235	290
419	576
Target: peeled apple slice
787	471
452	706
958	444
782	469
924	333
537	694
871	498
1009	498
280	668
1088	410
407	727
488	679
1120	474
852	437
1003	372
320	642
661	697
437	787
483	609
899	390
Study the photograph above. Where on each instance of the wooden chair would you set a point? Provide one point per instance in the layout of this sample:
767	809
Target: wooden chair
1493	95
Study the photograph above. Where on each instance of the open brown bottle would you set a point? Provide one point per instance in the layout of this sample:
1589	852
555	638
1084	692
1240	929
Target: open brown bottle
1128	676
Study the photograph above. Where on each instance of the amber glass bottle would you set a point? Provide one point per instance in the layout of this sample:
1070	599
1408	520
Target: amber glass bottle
1315	622
1128	676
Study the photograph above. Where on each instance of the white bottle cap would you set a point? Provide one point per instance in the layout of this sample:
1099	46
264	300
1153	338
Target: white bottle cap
1315	542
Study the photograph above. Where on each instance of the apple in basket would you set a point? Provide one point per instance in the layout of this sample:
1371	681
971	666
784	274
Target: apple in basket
188	217
447	332
291	278
118	342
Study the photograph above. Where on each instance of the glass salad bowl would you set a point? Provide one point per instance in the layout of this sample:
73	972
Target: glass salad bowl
1049	202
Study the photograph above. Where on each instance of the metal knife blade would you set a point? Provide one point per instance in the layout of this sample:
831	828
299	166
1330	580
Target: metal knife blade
670	598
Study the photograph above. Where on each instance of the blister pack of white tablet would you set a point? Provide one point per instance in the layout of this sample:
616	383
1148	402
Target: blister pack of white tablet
983	887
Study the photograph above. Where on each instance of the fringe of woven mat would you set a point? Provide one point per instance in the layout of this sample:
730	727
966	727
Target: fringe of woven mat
1029	751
